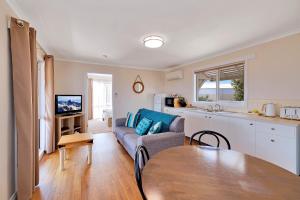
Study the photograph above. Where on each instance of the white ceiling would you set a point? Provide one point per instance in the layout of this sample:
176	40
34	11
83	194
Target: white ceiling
84	30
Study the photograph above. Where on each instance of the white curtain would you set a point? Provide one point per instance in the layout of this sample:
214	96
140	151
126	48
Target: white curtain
102	97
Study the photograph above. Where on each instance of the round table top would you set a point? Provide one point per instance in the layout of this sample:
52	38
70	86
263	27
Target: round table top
193	172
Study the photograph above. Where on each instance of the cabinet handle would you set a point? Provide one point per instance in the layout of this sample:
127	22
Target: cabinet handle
251	124
209	117
273	129
272	140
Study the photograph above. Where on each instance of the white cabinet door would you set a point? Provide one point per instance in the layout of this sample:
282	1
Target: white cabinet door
195	122
276	149
242	135
219	124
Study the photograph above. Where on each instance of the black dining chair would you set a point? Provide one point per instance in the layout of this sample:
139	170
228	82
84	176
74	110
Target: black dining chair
212	133
141	152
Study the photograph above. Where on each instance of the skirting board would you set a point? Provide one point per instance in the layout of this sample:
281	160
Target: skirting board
14	196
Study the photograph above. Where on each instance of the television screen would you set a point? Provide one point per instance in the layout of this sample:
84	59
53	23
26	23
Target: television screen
68	104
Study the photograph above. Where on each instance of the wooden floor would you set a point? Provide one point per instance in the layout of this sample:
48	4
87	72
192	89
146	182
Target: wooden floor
98	126
111	175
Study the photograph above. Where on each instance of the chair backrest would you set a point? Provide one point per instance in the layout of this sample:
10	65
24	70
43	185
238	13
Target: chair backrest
141	152
212	133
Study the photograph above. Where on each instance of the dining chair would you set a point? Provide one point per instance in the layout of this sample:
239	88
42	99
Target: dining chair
141	152
212	133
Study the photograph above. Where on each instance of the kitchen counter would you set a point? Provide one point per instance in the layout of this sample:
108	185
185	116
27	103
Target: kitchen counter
248	116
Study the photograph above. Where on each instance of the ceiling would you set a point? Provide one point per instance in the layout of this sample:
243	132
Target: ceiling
85	30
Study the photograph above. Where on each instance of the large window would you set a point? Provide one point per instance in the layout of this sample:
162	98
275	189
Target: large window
224	83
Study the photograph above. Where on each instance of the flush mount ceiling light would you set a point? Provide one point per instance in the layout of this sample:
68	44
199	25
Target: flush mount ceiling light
153	42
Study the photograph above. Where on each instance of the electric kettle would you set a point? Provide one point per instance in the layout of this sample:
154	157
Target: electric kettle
268	110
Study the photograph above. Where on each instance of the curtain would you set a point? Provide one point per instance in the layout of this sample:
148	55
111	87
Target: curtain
34	77
90	99
24	67
50	104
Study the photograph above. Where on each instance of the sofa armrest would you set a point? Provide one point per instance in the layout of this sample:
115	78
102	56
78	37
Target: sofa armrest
158	142
120	122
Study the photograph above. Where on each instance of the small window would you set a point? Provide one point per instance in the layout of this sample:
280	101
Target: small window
225	83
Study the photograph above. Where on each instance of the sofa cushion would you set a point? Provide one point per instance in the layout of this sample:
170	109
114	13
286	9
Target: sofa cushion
166	119
143	126
130	143
132	119
156	128
122	131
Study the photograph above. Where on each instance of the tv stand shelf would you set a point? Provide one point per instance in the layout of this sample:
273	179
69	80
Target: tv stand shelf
68	124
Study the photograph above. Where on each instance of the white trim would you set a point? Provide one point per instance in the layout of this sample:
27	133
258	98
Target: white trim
13	196
245	59
108	65
240	104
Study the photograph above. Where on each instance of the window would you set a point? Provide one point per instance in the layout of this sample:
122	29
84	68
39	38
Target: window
224	83
41	107
207	86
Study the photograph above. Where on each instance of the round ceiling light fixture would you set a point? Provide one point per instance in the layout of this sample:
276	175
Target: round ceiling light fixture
153	42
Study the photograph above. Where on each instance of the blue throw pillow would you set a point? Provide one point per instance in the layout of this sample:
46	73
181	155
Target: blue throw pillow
156	128
131	120
143	127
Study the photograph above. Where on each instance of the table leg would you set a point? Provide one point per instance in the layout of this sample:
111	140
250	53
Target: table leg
65	154
90	153
61	158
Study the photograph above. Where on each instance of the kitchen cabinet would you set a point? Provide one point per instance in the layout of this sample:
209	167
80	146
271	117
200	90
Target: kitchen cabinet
195	122
219	124
274	142
278	144
242	135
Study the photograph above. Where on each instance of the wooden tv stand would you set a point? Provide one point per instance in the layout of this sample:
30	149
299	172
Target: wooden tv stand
69	124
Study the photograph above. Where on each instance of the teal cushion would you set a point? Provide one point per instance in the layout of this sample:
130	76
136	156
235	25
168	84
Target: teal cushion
156	128
132	119
165	118
143	126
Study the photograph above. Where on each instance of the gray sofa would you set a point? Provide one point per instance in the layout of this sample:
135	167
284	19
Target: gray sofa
154	143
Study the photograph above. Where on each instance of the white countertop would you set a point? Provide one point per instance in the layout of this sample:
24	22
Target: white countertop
248	116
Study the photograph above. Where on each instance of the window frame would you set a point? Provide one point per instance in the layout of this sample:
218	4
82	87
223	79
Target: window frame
218	101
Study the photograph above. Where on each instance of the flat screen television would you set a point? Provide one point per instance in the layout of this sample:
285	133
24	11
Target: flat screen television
68	104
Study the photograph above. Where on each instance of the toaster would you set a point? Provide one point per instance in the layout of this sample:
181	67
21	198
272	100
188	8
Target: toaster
290	113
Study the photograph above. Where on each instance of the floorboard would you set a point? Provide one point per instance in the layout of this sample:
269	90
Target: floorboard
111	175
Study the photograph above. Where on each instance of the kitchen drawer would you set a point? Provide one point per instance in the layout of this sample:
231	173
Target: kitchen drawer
276	129
278	150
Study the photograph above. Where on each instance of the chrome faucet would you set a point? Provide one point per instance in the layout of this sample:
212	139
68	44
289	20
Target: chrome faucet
217	107
210	108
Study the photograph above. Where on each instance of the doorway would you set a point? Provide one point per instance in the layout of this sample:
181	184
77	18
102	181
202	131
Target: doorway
100	107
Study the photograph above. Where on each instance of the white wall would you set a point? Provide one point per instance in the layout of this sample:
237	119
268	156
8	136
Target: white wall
71	78
273	73
7	132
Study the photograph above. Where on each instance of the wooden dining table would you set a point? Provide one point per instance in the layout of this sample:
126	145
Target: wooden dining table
194	172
